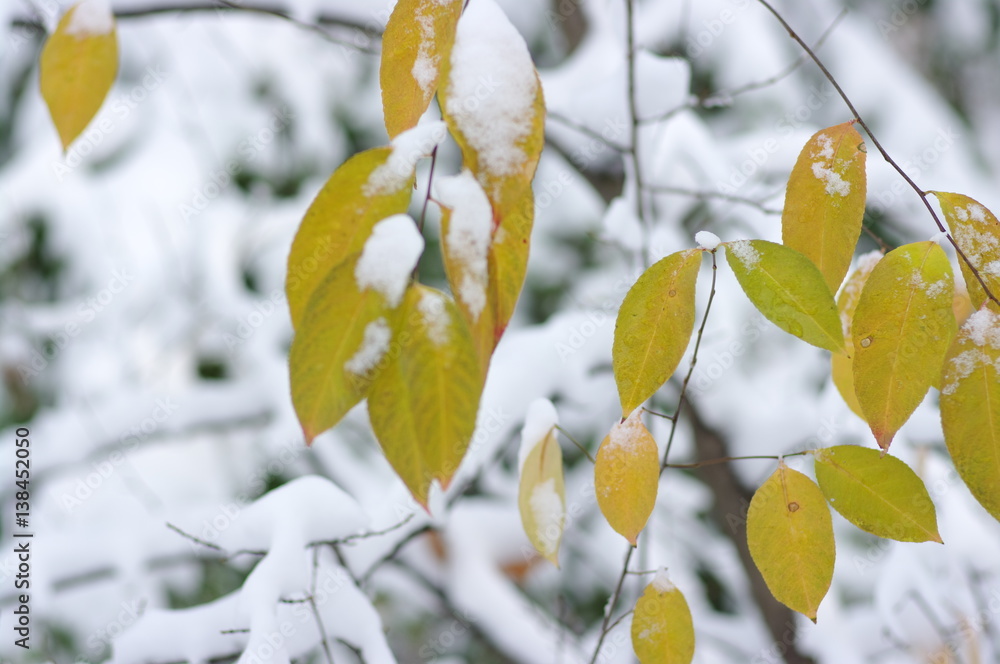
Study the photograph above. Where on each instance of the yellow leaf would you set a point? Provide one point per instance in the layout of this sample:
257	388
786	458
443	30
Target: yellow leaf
790	534
654	327
977	233
423	403
542	492
626	477
417	38
78	67
842	366
902	328
662	629
346	329
825	201
970	406
879	494
788	289
492	102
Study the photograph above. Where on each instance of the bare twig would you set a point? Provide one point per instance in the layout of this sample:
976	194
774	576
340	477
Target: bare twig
885	155
606	623
633	109
574	441
707	194
584	129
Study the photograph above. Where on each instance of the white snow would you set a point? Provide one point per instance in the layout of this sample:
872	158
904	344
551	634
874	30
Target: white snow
493	112
91	18
407	149
626	434
389	256
707	240
374	344
662	581
549	512
540	419
832	181
744	252
983	329
432	310
469	235
425	66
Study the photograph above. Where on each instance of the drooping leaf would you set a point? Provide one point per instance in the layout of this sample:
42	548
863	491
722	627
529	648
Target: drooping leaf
790	534
788	289
626	476
970	406
902	328
417	40
879	494
654	327
347	327
542	492
423	403
662	629
842	366
825	201
78	67
976	231
339	221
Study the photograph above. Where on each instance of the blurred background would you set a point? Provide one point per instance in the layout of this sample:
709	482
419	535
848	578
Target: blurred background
144	331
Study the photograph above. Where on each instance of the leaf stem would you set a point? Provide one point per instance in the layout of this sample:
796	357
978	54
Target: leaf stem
575	442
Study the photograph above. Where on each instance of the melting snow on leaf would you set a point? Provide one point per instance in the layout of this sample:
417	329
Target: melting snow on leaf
389	257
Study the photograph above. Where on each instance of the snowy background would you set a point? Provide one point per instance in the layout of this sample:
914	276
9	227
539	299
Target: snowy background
144	337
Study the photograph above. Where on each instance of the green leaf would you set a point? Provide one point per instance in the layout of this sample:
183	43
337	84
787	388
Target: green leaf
878	494
654	327
976	231
825	201
78	66
366	188
417	39
790	535
542	492
902	328
423	404
842	366
662	629
626	477
970	406
347	328
788	289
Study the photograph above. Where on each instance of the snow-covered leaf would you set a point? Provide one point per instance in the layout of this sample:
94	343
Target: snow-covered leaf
790	534
542	492
825	201
423	402
417	39
654	327
788	289
626	476
902	327
662	629
78	66
970	406
877	493
347	327
976	231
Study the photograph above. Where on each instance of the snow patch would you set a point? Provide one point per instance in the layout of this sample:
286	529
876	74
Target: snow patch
425	66
707	241
407	149
624	435
825	147
494	111
831	179
744	252
373	346
547	508
389	257
662	582
431	307
91	18
469	231
983	329
539	421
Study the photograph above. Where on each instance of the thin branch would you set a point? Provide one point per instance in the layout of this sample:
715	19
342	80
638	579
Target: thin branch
427	198
712	462
694	361
373	533
393	552
885	155
324	642
611	605
574	441
620	618
585	130
633	106
707	194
